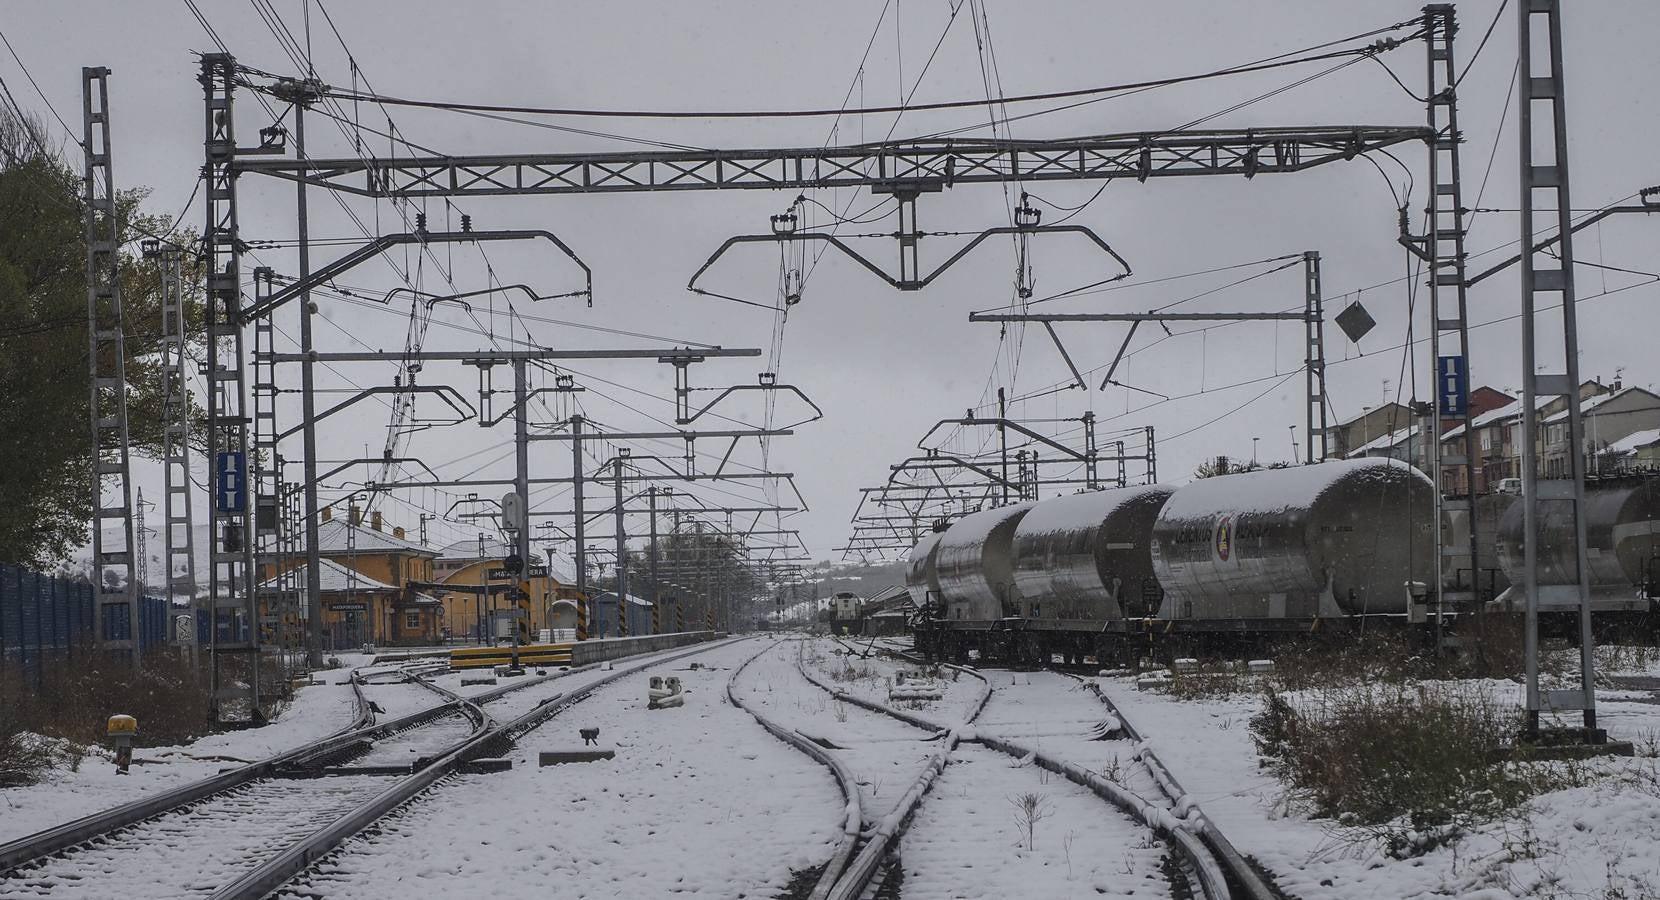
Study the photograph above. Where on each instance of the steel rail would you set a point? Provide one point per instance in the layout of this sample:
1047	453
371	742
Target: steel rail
859	874
1205	861
18	852
854	816
22	851
1242	875
299	856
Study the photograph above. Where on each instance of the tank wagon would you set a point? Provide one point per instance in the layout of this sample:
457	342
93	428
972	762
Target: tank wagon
974	565
1622	535
1340	538
1229	558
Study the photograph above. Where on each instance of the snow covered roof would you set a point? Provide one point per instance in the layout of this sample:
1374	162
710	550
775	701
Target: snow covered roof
1635	441
1511	410
335	577
1387	442
1589	405
335	535
494	548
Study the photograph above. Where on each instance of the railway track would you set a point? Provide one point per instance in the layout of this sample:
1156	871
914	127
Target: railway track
1197	867
247	831
1157	783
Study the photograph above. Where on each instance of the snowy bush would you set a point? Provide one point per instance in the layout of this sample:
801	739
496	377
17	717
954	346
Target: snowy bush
26	757
1409	765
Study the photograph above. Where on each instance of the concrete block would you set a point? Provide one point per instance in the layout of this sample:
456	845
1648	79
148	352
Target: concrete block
558	757
486	766
1261	666
469	680
1184	666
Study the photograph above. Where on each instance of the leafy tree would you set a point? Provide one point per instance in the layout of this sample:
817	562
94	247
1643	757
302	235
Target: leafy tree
45	419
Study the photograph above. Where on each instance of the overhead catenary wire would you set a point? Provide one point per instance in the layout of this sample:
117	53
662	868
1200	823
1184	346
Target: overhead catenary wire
578	112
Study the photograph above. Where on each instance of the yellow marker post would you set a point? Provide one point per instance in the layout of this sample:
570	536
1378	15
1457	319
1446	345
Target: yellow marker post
122	729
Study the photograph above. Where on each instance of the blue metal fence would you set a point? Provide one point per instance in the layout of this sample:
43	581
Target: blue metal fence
44	617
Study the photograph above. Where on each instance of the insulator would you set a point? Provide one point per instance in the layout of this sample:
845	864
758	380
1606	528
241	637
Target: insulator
420	221
466	222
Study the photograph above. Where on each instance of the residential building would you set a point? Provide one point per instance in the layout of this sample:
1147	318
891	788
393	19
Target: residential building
1372	423
1606	419
477	571
373	584
357	609
1498	439
1636	452
1399	444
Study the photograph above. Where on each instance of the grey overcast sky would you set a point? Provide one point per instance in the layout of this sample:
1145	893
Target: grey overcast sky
885	365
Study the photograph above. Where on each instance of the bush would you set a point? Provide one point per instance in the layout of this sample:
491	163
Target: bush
73	700
1409	765
25	758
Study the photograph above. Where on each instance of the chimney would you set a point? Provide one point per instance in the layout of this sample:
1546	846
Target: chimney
328	514
374	520
397	532
354	515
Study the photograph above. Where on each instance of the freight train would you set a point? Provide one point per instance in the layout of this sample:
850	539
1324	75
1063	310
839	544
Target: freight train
1236	560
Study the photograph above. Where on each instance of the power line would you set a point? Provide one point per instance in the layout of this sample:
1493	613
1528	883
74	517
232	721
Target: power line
456	106
36	85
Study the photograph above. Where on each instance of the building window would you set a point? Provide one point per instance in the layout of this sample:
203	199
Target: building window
1486	441
412	621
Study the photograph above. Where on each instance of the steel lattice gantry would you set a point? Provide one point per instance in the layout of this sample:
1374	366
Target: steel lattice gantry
921	165
114	572
904	168
1548	283
178	521
233	630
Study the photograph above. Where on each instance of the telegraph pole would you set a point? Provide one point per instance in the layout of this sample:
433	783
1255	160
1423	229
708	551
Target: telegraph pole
622	548
651	551
581	553
521	486
305	92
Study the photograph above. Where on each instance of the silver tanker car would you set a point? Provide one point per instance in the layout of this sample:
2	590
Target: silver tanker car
1088	556
1622	537
974	565
1342	537
921	579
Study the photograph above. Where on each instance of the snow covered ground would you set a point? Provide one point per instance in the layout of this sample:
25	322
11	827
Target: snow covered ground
317	711
700	801
885	755
969	838
1594	841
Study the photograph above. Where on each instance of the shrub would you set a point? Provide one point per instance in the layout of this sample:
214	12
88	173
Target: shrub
25	758
1409	765
75	698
